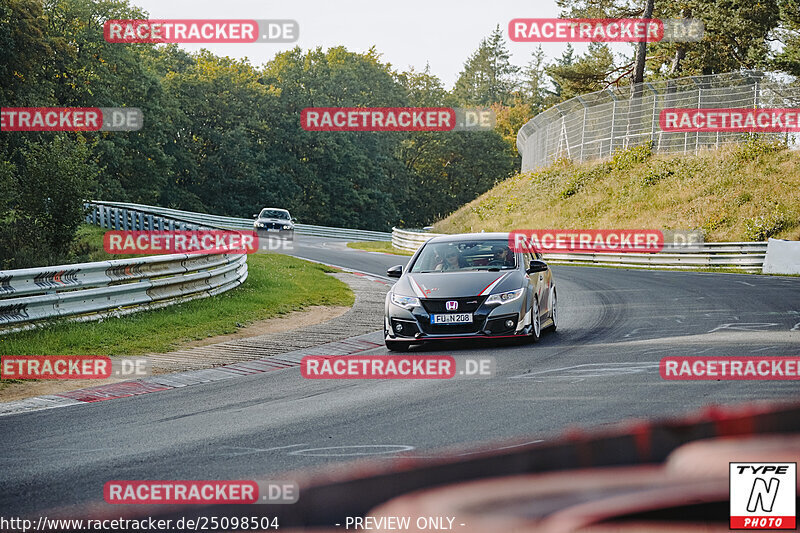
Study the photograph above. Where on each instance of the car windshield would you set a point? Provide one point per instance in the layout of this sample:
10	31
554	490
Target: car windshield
274	213
465	255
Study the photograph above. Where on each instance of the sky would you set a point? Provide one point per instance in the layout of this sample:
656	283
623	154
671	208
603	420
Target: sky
409	33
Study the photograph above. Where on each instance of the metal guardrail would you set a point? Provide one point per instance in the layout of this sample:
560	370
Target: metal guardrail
410	240
746	256
129	216
90	291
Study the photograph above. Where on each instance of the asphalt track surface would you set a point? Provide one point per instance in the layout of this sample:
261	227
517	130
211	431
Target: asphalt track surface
600	367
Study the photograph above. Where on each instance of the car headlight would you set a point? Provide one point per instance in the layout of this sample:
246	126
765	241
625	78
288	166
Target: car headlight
406	302
260	225
286	226
504	297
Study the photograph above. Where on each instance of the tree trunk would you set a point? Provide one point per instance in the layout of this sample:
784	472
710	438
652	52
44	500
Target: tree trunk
635	110
680	53
641	48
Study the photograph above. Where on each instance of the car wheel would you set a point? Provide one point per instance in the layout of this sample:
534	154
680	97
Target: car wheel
536	321
394	346
554	311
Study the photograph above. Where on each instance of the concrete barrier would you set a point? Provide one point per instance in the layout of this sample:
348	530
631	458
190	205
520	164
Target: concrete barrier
783	257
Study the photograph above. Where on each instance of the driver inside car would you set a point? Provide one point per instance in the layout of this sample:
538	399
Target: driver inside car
452	260
501	256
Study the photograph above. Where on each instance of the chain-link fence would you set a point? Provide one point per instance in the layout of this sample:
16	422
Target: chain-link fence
594	125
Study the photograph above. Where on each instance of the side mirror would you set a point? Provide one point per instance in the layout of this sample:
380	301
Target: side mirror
255	216
536	266
395	271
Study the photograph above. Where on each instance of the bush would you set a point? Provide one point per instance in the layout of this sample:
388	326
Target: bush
48	185
579	179
630	157
763	227
755	146
656	173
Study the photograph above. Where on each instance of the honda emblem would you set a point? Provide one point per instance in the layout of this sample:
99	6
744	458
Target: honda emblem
451	305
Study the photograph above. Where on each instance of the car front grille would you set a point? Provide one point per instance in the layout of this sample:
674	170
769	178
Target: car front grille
465	305
271	225
438	306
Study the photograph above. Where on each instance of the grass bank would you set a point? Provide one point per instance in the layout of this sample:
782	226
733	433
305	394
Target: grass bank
743	192
372	246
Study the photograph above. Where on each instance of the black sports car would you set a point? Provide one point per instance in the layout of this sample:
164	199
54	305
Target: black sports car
469	286
274	222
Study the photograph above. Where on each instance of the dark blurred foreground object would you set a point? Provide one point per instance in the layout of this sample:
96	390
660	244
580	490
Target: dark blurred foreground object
658	476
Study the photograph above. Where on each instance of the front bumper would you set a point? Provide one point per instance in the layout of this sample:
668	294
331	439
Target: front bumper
489	322
264	233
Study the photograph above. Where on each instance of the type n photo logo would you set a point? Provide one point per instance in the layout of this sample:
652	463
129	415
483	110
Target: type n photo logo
763	495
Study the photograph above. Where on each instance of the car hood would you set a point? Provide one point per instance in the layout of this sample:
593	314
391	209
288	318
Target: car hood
457	284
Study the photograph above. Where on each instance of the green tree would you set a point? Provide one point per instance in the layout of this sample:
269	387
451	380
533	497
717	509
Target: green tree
592	71
787	58
225	152
24	47
737	33
346	179
48	183
488	76
424	89
736	37
533	84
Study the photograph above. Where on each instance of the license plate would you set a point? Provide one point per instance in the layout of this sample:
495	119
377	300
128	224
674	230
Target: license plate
273	229
455	318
